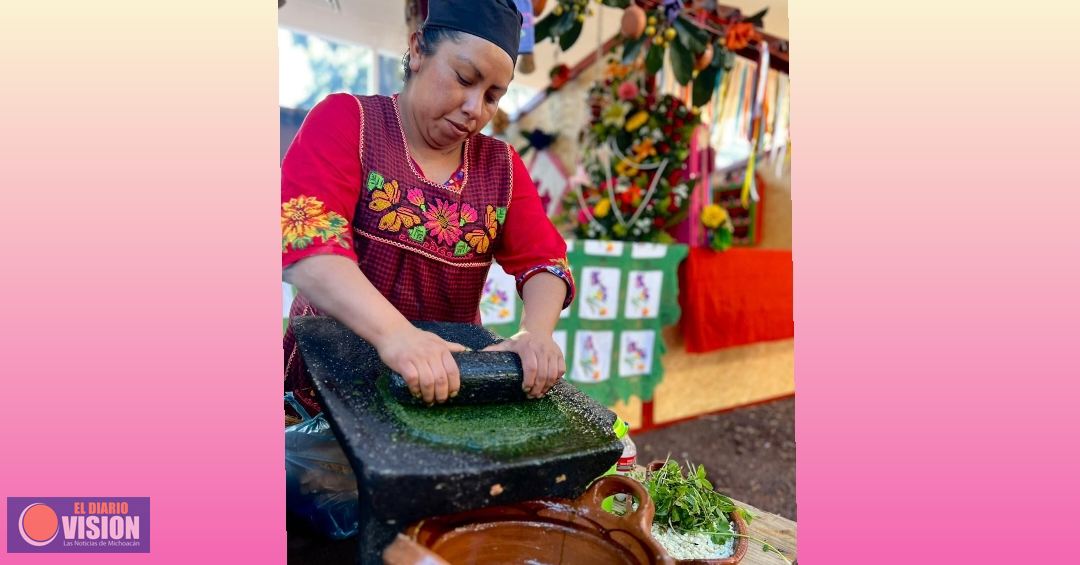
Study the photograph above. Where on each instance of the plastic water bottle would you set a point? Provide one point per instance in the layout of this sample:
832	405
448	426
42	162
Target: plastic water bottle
628	460
626	463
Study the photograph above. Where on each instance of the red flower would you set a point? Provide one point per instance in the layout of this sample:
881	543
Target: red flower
560	75
739	35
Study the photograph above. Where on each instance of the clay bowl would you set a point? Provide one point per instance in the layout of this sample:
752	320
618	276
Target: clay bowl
538	531
741	544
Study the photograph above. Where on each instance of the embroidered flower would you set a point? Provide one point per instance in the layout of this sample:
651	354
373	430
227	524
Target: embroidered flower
492	221
628	90
443	220
304	218
394	219
416	197
468	214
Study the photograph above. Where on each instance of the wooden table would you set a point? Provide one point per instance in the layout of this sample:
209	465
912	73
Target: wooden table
777	530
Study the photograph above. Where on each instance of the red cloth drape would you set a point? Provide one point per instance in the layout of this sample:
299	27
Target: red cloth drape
736	297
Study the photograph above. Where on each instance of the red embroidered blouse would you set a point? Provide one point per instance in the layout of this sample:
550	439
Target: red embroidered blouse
349	187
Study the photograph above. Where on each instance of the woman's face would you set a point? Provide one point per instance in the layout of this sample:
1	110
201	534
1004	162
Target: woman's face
454	92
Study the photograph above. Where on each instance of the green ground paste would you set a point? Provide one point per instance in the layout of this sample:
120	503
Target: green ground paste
503	430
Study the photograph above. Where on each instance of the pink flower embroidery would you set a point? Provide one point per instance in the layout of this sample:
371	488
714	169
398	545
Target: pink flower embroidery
628	90
468	214
443	220
416	196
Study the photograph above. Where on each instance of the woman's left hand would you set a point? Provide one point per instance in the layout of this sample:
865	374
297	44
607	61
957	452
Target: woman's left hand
541	359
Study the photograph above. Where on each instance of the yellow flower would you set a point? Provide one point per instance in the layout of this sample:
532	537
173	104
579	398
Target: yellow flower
602	208
637	120
302	217
625	168
713	215
305	218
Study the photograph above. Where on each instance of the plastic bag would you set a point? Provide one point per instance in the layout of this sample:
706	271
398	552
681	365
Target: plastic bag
319	482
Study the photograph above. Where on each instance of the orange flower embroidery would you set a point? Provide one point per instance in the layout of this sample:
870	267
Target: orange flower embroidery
478	240
492	221
395	218
305	218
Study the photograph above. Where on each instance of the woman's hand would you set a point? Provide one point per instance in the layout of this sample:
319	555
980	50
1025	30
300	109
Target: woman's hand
424	360
541	359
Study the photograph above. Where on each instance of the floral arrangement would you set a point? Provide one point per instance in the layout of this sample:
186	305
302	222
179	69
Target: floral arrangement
718	227
634	183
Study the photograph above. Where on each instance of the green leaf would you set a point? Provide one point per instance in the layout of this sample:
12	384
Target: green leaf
705	85
691	36
631	49
567	40
543	28
617	3
563	23
757	19
746	515
654	60
682	63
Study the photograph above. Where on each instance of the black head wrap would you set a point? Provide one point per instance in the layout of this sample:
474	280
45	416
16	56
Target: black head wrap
497	21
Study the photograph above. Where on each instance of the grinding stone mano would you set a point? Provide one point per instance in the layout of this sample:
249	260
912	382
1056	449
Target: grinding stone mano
486	377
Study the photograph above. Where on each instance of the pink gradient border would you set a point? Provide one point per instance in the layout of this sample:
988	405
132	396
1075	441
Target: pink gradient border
141	339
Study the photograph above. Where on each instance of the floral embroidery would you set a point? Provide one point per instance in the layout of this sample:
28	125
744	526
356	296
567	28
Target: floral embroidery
416	197
492	221
443	222
304	218
598	298
495	302
640	296
468	214
591	360
478	240
636	357
394	219
451	228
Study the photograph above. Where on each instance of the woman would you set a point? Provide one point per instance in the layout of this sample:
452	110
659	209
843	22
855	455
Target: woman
394	207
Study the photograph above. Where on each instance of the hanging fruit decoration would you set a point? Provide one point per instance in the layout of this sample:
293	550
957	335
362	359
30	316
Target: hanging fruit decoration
704	59
696	42
633	22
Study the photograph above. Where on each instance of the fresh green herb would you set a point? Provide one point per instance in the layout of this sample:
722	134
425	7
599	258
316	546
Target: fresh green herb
689	503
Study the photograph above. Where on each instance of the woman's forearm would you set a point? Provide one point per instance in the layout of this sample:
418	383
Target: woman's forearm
336	286
543	296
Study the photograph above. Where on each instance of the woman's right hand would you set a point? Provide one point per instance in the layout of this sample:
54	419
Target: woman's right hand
424	360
